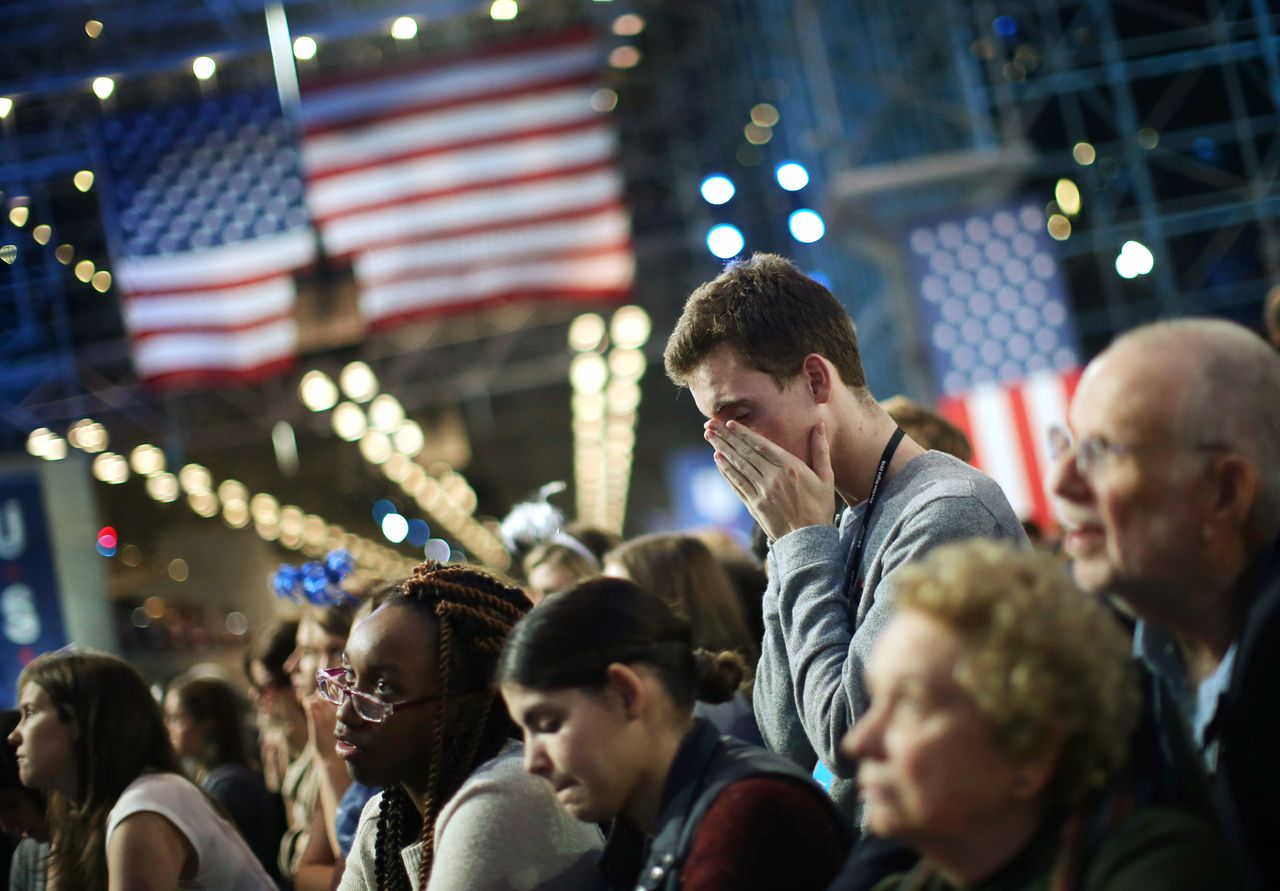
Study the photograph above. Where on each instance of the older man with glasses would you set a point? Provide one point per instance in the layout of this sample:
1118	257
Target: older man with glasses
1168	489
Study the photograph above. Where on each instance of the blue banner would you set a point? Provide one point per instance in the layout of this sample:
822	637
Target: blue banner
30	616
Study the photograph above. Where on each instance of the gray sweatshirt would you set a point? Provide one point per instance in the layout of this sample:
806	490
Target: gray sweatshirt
809	687
502	829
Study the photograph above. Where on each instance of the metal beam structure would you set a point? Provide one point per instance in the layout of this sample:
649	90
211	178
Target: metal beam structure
1178	101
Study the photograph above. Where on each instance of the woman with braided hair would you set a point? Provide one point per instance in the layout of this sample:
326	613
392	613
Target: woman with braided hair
418	715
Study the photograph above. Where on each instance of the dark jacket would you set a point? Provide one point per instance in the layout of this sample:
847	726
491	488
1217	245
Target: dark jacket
706	764
1244	771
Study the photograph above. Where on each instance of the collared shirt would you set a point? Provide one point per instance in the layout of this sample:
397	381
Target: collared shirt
1198	703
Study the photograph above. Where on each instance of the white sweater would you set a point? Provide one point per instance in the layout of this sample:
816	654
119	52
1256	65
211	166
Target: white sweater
502	831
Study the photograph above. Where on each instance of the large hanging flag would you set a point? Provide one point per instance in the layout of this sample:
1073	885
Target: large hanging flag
994	313
475	179
209	226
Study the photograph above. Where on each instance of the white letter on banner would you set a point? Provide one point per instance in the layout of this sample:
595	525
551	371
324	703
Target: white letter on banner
13	535
21	621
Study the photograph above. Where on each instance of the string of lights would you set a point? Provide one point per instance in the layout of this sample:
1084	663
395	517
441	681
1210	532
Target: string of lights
605	375
288	525
389	440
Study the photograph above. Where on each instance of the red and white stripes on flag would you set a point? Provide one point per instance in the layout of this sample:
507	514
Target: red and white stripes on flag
1008	425
226	313
481	178
204	210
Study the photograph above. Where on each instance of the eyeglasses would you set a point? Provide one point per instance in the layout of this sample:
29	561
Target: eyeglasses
370	708
1091	451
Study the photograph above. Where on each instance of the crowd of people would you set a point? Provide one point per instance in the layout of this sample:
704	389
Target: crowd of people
895	690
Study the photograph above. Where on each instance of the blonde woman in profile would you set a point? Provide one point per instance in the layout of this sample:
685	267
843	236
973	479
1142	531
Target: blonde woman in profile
1002	705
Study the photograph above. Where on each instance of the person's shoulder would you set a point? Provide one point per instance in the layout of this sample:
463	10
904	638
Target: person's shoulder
937	473
943	483
762	830
162	785
169	795
503	767
370	808
497	803
500	782
1166	848
234	778
775	792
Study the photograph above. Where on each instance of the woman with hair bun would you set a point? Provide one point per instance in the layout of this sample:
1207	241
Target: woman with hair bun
418	716
602	679
682	570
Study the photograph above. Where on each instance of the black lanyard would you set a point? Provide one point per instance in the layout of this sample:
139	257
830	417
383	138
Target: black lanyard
855	557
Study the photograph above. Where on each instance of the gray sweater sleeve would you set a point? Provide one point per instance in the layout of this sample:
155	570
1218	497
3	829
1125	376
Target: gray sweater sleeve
826	641
774	697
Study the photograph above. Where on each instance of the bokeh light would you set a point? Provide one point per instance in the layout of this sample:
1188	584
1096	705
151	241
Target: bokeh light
806	226
1067	194
725	241
792	176
624	57
317	391
1134	259
404	28
358	381
203	67
304	48
504	10
394	528
718	189
630	327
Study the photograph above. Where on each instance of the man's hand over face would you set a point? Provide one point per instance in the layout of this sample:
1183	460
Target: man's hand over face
781	491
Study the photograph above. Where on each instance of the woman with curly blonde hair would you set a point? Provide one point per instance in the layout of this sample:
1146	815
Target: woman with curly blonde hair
1002	705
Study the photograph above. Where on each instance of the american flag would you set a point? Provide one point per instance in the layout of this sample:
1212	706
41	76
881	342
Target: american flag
1001	342
210	225
475	179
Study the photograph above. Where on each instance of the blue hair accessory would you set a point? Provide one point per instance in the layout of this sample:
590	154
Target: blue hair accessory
319	583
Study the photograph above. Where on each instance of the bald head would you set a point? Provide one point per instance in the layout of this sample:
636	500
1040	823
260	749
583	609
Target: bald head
1176	481
1208	379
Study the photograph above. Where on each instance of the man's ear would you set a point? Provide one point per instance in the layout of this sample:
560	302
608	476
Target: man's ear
627	687
819	375
1235	483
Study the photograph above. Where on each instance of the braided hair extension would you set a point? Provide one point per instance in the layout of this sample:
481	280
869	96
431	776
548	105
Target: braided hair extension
397	825
475	612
